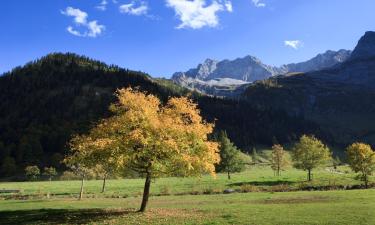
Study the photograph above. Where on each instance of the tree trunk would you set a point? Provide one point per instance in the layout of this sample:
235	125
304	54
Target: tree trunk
81	192
146	192
366	180
228	175
104	179
309	175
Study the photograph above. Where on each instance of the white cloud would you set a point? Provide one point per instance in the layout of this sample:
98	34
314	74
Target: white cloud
80	17
92	28
95	29
134	8
296	44
228	6
102	5
197	13
71	30
257	3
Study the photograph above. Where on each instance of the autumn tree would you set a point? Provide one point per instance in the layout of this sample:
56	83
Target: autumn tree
154	139
32	172
279	160
106	165
231	157
81	159
49	172
361	159
310	153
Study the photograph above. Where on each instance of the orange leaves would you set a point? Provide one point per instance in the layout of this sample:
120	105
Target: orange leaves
361	158
144	135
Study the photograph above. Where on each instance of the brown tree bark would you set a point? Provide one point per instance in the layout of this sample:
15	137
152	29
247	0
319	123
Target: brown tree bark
104	180
81	192
146	192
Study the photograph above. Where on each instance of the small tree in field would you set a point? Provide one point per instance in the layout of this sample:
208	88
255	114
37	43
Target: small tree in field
231	157
154	140
49	172
32	172
310	153
279	161
81	160
362	160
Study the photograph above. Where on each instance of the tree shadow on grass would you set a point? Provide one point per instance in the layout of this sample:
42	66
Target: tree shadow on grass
60	216
263	183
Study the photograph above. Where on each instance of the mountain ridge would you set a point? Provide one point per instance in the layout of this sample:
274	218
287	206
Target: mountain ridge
250	69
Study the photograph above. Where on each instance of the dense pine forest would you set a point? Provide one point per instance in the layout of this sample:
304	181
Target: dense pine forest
47	101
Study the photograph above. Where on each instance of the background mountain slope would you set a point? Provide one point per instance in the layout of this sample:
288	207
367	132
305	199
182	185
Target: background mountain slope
46	102
339	99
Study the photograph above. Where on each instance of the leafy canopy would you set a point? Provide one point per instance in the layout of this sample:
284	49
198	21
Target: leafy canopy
361	159
310	153
279	161
147	137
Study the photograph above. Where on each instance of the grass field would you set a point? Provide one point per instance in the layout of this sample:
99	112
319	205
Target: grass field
257	177
328	207
193	200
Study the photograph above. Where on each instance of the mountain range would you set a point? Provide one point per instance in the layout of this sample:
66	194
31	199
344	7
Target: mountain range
228	77
340	98
47	101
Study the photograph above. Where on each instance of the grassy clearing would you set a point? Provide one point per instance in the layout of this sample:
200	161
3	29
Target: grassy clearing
329	207
118	205
257	177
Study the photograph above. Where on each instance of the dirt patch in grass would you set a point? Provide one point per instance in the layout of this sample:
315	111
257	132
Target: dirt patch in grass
297	200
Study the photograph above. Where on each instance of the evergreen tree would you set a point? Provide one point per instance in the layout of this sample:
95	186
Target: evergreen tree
231	160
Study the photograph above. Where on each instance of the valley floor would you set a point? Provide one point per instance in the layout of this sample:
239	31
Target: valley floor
328	207
196	200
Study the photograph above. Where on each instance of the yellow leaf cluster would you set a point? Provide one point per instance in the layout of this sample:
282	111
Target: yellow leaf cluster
148	137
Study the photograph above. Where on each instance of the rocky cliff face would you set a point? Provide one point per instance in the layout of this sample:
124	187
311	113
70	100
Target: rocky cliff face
365	48
358	70
247	70
321	61
340	99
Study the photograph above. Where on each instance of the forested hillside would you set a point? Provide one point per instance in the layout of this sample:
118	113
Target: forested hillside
46	101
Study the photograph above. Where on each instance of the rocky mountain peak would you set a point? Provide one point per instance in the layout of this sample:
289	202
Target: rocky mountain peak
365	47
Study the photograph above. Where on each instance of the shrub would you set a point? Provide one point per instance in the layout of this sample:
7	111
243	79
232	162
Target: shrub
32	172
69	175
249	188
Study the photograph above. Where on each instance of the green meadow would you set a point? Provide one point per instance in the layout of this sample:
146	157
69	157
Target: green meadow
259	198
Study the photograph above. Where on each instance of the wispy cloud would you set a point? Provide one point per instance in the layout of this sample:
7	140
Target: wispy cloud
228	6
296	44
102	5
197	13
91	28
258	3
135	8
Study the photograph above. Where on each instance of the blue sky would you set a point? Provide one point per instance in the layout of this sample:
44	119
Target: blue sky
164	36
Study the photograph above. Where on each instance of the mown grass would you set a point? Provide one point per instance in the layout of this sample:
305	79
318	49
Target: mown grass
260	177
328	207
191	200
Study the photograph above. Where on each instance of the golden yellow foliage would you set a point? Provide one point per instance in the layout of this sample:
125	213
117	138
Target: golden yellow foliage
150	138
362	160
